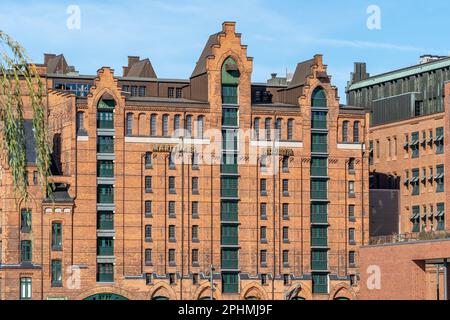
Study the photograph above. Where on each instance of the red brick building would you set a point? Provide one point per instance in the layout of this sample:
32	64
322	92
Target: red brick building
160	181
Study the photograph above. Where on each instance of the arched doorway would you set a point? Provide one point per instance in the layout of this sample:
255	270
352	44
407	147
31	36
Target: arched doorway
106	297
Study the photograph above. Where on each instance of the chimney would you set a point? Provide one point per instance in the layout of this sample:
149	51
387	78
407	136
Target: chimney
48	57
274	75
360	72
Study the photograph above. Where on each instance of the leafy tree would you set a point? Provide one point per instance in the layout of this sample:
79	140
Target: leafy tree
19	79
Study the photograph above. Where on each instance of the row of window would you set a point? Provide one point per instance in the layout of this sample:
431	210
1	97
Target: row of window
424	220
164	130
356	128
26	247
418	177
267	133
172	185
413	143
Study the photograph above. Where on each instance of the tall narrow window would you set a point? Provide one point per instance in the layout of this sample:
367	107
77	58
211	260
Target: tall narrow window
200	127
268	127
25	220
165	125
176	123
129	127
256	128
356	131
56	236
345	131
56	273
25	251
153	126
80	121
290	129
148	160
188	126
278	126
148	184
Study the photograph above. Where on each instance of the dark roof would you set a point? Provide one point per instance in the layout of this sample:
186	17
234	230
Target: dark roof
162	101
30	142
200	68
57	64
352	109
302	71
277	105
59	195
140	69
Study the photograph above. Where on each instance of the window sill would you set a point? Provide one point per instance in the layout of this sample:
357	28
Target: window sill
286	194
263	194
57	248
264	241
148	240
148	191
196	193
196	216
195	265
149	264
149	216
57	285
195	240
172	216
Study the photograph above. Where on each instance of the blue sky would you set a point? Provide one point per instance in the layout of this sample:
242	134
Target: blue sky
279	34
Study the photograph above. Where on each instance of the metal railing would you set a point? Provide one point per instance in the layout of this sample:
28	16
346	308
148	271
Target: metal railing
410	237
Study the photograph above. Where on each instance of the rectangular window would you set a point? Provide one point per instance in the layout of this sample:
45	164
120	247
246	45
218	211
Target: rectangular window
319	120
440	178
142	91
352	258
290	130
319	142
105	272
165	126
172	279
56	273
230	259
195	185
148	184
172	235
134	91
105	169
129	124
319	213
195	232
148	233
25	220
172	260
148	257
229	187
172	213
105	145
230	283
320	283
319	260
351	189
195	255
25	251
263	211
415	145
439	141
35	178
286	234
415	219
229	235
171	92
285	210
263	187
148	160
176	124
105	220
285	164
195	214
263	234
172	185
179	93
351	212
195	161
25	288
415	182
148	209
440	216
351	165
263	258
319	236
286	258
319	167
319	189
351	236
105	247
285	187
56	236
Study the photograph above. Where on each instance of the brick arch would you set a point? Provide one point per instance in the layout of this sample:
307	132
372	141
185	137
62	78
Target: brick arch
254	289
101	93
205	291
100	290
236	57
162	289
342	290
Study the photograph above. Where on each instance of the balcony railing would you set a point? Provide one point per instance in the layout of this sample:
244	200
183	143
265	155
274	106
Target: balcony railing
410	237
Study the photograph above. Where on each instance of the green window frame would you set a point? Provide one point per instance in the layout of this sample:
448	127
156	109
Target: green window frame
415	219
56	236
105	120
230	235
319	236
105	272
319	167
440	172
319	98
229	187
319	120
105	194
319	260
56	280
230	283
230	259
415	145
319	212
415	182
320	283
439	140
229	210
440	207
105	246
105	169
26	288
230	117
105	144
25	220
319	142
319	189
26	250
105	220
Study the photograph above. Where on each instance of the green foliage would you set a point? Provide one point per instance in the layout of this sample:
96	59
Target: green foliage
19	79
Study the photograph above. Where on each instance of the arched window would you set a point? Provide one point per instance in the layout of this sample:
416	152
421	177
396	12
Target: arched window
256	127
200	126
176	123
356	131
230	81
153	125
188	126
319	98
141	124
129	124
290	129
268	125
80	121
345	131
278	125
165	125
